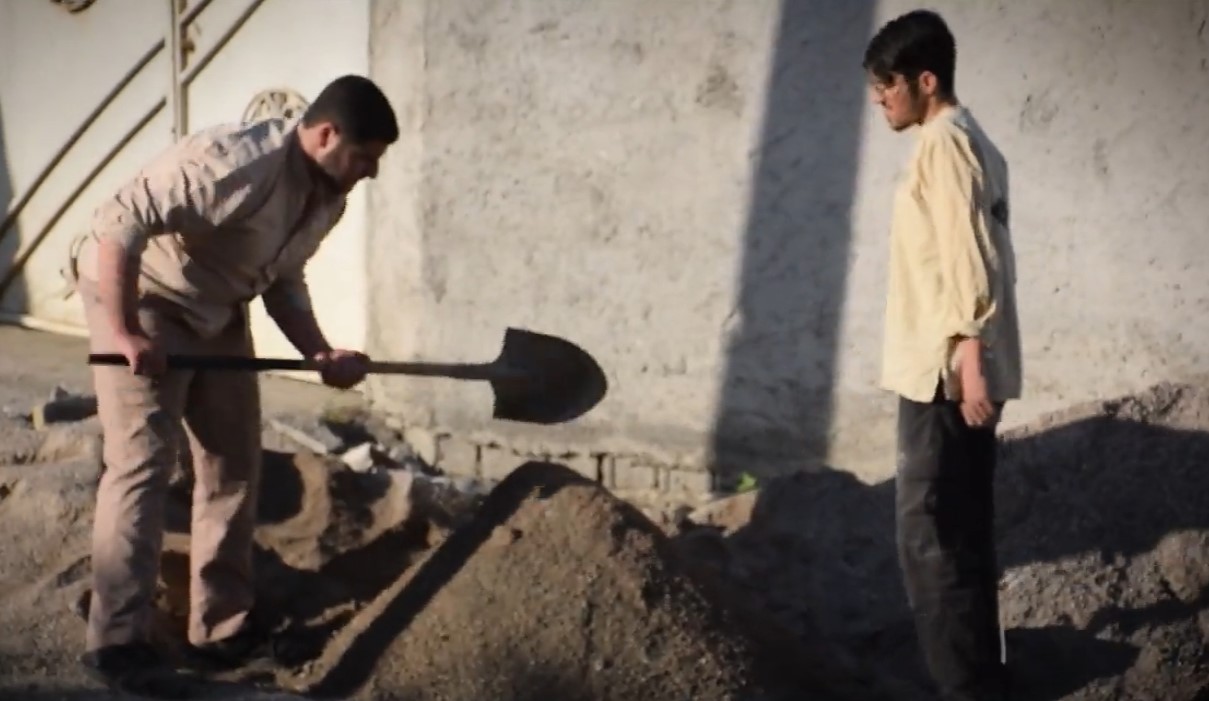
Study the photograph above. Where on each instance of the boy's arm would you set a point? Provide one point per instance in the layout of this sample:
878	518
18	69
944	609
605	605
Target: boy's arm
952	188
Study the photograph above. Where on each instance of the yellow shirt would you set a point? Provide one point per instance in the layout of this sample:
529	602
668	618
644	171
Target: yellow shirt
952	269
219	218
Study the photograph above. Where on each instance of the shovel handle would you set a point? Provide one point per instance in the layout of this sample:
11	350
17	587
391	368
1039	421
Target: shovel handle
213	362
461	371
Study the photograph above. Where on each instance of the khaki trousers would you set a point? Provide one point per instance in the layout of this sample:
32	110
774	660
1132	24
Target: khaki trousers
140	421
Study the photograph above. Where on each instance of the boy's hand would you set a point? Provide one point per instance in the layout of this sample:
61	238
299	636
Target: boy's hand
976	406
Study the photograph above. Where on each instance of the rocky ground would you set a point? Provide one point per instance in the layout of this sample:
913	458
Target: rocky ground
547	586
1103	523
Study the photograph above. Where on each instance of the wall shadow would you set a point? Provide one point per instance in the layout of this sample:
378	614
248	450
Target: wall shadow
774	410
14	300
1088	514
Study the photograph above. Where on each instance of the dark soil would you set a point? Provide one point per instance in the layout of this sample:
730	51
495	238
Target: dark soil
1103	530
558	590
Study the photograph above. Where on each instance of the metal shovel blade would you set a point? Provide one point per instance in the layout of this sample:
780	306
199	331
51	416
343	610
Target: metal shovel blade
544	379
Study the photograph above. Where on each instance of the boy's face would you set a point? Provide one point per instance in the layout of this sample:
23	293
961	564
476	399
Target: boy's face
903	103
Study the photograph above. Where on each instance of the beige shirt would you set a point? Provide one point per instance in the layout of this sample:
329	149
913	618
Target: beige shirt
220	218
952	268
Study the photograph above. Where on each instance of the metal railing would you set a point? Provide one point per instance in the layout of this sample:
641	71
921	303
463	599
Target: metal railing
176	94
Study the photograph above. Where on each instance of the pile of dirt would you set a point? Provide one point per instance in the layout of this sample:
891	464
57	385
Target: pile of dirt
551	588
329	540
1103	532
559	590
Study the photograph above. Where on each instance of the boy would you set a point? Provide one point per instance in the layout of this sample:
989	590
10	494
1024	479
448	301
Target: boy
951	353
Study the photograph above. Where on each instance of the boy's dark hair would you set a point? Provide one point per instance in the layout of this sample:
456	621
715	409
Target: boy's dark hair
357	107
911	44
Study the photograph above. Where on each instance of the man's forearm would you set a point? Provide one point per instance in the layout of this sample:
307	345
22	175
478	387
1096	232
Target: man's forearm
300	328
117	286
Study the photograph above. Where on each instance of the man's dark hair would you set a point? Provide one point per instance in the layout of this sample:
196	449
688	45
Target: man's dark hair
357	108
911	44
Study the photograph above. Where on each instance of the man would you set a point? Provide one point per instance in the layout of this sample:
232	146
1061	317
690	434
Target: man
952	352
172	262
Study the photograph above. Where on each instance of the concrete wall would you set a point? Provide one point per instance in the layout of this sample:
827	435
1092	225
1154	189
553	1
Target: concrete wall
698	193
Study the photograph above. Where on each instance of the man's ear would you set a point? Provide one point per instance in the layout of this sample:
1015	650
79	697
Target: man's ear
328	134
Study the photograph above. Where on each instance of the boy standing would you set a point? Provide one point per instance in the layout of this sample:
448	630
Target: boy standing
951	353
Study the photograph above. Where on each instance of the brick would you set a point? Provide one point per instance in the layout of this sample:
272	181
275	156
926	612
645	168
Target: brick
423	442
586	465
629	474
63	409
496	463
457	456
678	481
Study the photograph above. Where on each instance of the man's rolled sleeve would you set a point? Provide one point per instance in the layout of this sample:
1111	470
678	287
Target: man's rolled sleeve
953	192
178	194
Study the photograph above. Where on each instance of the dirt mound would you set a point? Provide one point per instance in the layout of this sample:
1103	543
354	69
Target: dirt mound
330	539
1103	530
553	588
559	590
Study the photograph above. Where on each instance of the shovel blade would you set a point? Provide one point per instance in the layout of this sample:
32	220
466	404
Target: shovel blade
545	379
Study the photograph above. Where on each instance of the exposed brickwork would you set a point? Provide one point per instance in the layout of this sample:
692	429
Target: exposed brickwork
626	473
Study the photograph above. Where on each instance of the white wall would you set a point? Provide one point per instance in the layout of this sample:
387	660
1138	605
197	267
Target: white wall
298	45
698	193
45	95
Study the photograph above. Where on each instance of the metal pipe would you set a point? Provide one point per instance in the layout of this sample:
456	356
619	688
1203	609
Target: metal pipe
205	59
24	252
17	204
176	93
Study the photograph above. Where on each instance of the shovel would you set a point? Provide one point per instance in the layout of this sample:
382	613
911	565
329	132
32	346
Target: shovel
536	378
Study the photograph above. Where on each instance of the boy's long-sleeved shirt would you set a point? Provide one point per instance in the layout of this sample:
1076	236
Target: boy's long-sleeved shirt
952	268
223	216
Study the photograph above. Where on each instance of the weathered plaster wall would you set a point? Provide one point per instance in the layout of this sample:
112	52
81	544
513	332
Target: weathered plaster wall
698	193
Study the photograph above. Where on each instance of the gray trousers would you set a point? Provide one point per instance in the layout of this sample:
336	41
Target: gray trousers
946	545
140	421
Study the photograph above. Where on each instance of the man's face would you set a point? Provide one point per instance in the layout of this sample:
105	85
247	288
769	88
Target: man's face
345	162
902	103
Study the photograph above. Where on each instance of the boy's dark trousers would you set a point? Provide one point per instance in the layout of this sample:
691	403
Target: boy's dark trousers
946	546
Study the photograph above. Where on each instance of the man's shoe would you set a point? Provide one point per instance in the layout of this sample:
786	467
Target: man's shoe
248	644
137	669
